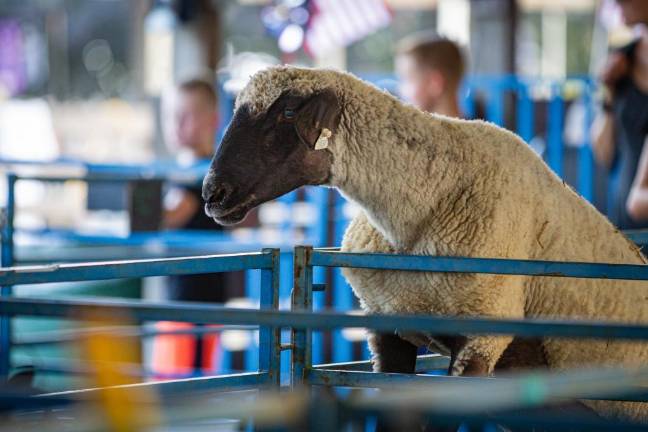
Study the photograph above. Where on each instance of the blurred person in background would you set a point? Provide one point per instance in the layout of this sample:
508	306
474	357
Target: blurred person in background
194	120
430	69
620	131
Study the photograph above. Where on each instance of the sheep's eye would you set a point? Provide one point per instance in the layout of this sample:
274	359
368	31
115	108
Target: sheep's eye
289	114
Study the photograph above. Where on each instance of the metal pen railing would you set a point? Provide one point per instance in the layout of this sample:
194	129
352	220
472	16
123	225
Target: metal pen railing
140	244
617	385
266	261
306	258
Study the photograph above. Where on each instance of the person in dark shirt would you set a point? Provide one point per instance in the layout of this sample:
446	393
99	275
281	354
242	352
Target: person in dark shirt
620	132
194	124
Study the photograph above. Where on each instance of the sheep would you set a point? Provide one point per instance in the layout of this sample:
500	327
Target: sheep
432	185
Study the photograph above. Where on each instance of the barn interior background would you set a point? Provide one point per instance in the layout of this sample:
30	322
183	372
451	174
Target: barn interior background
82	138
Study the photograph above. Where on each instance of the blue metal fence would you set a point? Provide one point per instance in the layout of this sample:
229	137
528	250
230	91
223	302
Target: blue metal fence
173	243
307	258
612	385
266	261
7	260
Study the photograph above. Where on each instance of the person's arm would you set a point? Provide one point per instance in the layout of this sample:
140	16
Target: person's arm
637	202
179	208
603	145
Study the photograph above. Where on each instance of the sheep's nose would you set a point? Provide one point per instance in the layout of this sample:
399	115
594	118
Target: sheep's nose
207	188
220	194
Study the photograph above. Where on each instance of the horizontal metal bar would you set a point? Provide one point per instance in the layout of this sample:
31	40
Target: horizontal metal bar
640	237
112	174
25	401
59	366
79	367
272	409
479	265
431	362
523	421
347	378
94	178
555	422
73	335
368	379
212	411
172	387
208	314
133	269
178	237
423	363
185	240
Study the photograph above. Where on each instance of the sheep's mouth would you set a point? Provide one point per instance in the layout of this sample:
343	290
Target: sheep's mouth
232	215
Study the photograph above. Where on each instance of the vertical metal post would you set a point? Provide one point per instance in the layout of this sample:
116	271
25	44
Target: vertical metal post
253	290
585	157
301	300
525	112
555	132
269	337
495	107
343	302
318	198
317	234
342	294
319	303
7	260
285	288
467	99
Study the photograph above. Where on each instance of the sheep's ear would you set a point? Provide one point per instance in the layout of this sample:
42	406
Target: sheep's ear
318	119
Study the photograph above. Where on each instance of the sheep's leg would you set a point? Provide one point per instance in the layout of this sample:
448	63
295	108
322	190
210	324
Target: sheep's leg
475	366
392	353
472	356
477	356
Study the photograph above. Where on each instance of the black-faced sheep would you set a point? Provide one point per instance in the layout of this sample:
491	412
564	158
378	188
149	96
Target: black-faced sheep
432	185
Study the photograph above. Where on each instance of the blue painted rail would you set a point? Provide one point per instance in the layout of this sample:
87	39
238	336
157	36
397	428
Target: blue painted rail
307	258
266	261
212	314
186	243
302	320
67	245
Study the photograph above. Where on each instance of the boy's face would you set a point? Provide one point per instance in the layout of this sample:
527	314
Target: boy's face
195	120
419	85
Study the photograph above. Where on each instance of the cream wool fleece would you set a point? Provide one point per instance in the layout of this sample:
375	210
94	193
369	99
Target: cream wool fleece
433	185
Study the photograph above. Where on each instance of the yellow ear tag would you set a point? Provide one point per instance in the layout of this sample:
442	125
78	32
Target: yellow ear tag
322	141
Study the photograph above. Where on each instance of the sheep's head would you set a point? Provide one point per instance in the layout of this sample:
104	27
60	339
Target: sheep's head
275	143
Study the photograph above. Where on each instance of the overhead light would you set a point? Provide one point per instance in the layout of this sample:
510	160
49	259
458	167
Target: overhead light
291	38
